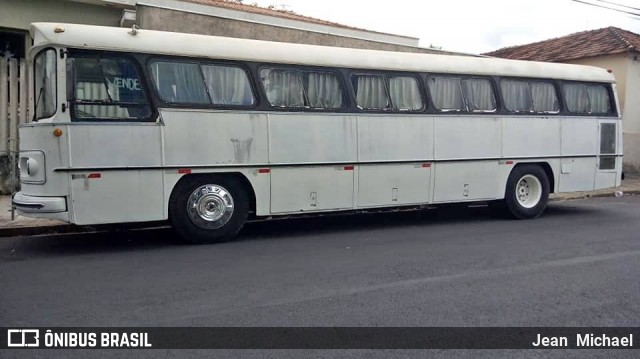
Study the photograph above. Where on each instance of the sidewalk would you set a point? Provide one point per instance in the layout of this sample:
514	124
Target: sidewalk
32	226
24	225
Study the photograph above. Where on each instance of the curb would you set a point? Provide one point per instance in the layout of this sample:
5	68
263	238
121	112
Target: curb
36	230
632	192
66	228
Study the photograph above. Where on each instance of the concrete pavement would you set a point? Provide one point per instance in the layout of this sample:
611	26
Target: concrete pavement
30	226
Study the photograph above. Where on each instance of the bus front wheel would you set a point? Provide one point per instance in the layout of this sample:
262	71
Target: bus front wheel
527	192
208	209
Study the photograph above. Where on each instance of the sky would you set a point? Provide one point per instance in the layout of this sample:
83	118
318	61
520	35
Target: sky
466	25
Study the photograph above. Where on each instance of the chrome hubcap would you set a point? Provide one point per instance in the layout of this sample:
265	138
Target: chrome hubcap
529	191
210	206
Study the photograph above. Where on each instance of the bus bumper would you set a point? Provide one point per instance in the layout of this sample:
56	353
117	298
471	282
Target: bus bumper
42	207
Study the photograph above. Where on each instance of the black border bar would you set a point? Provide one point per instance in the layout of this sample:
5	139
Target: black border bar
324	338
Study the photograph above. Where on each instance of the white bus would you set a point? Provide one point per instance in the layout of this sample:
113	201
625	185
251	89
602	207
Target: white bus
205	132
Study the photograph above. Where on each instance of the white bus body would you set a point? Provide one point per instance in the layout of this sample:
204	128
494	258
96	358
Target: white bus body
289	161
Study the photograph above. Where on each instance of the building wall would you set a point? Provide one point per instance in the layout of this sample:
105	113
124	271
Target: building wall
177	21
632	117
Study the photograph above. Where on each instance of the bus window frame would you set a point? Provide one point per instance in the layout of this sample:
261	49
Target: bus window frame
238	65
346	98
200	62
132	58
493	88
179	104
421	90
613	109
426	104
559	95
462	76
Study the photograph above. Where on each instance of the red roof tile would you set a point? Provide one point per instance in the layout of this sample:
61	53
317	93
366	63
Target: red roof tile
235	5
606	41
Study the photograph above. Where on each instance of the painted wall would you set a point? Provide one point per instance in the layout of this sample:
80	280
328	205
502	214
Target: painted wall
178	21
632	118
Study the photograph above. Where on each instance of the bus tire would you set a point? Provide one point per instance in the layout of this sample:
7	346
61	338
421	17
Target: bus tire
208	208
527	192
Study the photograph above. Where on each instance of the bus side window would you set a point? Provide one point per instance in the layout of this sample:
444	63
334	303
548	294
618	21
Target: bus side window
599	99
584	98
371	92
545	98
577	98
284	88
517	95
323	90
479	95
405	93
228	85
178	82
446	93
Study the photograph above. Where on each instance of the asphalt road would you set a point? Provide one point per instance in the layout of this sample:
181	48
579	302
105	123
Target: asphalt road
578	265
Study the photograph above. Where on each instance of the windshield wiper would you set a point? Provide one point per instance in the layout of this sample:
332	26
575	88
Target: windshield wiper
104	81
35	108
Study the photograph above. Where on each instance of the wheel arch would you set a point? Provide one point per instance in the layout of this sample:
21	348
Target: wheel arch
547	169
514	205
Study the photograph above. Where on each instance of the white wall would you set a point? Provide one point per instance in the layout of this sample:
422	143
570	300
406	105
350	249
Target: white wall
631	117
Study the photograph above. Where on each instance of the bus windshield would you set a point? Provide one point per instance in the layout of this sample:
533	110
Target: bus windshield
45	84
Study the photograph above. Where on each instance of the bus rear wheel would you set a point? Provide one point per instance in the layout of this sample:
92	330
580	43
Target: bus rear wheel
527	192
208	209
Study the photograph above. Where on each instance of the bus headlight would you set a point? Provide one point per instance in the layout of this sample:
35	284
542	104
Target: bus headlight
32	166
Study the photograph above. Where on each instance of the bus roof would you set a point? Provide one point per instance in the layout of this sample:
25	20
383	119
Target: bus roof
225	48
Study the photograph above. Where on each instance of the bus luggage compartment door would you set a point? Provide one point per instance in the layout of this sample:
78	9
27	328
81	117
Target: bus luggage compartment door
309	189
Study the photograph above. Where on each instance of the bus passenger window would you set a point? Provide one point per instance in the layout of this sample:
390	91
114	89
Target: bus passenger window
587	98
371	93
283	87
545	98
479	95
179	82
405	93
228	85
323	90
599	99
107	88
446	93
517	96
577	98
